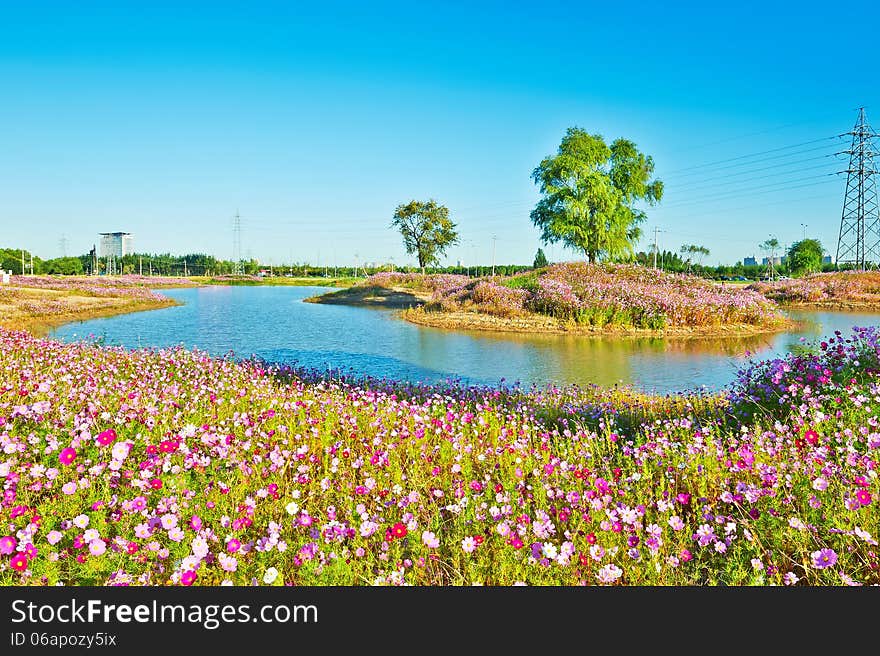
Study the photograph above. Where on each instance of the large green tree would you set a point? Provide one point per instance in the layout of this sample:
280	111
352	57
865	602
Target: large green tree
805	256
426	229
590	191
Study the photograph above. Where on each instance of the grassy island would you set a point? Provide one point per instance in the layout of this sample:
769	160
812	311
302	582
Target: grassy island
834	290
572	298
37	303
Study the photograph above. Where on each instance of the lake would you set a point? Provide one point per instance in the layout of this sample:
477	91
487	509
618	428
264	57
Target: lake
273	323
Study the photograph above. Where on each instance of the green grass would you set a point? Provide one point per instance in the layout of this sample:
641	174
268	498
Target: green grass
281	281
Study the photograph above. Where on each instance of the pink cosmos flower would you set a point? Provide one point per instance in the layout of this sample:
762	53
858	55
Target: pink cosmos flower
69	488
106	437
7	545
468	544
227	563
18	562
67	456
54	537
431	541
864	497
188	577
97	547
609	573
233	545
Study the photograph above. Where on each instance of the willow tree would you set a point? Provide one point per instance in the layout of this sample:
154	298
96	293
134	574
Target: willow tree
590	191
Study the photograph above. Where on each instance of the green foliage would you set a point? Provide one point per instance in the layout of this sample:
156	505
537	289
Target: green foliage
805	257
527	281
11	260
67	266
589	193
426	229
540	259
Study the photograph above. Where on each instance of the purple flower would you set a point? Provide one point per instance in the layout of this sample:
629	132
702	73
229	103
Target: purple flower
824	558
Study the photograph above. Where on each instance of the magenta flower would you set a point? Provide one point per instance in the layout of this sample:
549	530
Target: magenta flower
18	562
864	497
824	558
106	437
188	577
7	545
67	456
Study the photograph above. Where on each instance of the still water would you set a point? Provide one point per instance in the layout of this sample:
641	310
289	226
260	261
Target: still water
275	324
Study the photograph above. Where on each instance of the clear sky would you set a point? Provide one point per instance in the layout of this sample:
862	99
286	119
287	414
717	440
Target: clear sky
314	120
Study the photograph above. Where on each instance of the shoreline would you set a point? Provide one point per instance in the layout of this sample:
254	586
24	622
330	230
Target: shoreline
39	310
398	298
410	307
830	305
41	326
538	324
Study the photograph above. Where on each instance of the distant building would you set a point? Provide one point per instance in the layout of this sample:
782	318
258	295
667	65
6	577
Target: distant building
776	261
116	244
826	259
750	261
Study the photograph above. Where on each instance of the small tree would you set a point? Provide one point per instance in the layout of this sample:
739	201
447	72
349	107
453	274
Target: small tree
770	246
540	259
427	230
805	256
688	251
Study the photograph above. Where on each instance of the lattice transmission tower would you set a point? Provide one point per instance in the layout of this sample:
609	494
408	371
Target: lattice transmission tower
859	240
238	268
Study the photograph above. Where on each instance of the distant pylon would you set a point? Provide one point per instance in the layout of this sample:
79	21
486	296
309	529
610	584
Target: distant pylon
238	269
859	240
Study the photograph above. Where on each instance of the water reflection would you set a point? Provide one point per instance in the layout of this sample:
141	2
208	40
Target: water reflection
273	323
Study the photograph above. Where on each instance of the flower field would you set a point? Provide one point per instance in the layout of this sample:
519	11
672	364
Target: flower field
621	296
133	286
156	467
35	302
857	288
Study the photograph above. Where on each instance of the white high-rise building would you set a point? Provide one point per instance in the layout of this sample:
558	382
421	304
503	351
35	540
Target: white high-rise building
116	244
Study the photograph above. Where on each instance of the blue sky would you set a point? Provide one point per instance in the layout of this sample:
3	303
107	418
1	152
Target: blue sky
314	122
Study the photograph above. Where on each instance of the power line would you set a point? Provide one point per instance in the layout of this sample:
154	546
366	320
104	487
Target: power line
728	176
752	134
763	152
754	205
735	193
